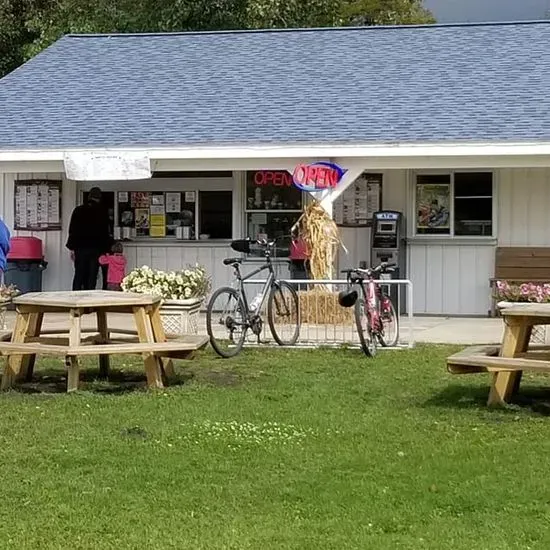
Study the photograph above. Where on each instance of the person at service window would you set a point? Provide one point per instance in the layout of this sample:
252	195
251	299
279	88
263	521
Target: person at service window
89	238
298	256
4	248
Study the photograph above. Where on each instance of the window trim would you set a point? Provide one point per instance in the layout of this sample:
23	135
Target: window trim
451	173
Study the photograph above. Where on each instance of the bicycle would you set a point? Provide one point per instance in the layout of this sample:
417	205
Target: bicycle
375	315
230	311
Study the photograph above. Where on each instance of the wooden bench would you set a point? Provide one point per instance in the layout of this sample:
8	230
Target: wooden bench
176	348
506	371
519	265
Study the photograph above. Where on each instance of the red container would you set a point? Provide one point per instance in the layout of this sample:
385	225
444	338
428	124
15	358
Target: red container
25	248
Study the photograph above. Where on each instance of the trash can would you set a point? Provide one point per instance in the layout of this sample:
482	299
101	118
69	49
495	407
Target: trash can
25	264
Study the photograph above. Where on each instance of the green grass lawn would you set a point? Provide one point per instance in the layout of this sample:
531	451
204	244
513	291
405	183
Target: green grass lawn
276	450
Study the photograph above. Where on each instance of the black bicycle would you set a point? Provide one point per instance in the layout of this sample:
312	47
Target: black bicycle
230	315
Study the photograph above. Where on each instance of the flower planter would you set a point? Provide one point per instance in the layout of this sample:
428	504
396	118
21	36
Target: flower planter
538	336
181	317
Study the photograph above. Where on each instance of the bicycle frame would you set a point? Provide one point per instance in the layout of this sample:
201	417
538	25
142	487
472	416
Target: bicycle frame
371	290
265	290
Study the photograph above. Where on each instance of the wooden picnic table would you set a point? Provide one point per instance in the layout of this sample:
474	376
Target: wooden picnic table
149	340
507	362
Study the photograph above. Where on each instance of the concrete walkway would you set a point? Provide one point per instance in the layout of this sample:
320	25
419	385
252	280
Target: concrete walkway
436	330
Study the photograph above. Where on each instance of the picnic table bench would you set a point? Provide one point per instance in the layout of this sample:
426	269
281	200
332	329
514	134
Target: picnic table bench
507	362
148	340
519	264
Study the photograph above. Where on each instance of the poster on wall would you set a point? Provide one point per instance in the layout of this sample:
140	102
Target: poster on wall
433	202
37	205
139	199
357	204
173	202
142	219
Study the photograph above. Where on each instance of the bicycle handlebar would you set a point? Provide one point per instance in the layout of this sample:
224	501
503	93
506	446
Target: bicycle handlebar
383	267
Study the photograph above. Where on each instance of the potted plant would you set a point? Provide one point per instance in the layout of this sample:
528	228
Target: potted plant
509	294
183	293
7	293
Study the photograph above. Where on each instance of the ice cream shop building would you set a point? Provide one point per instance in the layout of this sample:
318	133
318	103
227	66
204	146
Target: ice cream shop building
198	138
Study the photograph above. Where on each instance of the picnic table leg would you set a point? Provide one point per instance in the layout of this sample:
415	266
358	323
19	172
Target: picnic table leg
72	360
506	383
104	335
27	364
13	362
145	335
160	336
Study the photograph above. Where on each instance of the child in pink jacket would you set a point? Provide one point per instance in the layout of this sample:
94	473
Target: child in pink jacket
116	266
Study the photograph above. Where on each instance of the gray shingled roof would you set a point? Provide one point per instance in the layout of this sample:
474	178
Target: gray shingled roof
477	83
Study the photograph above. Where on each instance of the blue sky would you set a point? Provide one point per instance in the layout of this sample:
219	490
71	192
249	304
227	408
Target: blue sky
448	11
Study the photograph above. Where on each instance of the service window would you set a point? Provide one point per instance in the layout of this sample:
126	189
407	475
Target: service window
457	204
215	214
186	215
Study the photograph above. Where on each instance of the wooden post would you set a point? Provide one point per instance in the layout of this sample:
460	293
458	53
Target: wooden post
74	341
13	362
160	336
33	330
145	335
516	340
103	330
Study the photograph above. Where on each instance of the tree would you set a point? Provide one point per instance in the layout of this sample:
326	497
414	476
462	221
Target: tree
29	26
385	12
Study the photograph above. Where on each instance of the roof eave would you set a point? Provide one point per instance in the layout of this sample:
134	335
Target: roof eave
298	151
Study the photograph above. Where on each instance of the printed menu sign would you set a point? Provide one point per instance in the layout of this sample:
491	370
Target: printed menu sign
37	205
356	205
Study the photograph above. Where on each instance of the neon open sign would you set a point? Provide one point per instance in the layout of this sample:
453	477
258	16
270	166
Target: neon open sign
318	176
315	177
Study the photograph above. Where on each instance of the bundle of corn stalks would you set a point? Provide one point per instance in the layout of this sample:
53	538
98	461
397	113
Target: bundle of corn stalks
321	307
321	236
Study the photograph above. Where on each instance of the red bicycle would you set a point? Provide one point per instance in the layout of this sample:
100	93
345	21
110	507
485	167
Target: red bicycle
375	314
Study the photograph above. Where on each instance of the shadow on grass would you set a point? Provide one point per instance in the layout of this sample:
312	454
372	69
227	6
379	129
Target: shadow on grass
119	382
530	398
123	378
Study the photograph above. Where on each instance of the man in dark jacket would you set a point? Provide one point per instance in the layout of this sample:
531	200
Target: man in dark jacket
89	237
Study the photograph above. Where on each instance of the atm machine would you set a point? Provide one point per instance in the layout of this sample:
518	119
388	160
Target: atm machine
388	244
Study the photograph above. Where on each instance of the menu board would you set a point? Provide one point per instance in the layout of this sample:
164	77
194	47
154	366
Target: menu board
157	214
356	205
37	205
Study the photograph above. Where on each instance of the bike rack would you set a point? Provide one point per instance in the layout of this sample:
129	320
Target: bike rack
304	283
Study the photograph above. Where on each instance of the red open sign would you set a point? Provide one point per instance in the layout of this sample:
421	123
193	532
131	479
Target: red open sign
316	176
278	178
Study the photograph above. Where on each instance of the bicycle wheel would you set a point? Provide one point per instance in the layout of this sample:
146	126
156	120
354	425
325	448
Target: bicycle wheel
364	328
390	323
225	322
283	314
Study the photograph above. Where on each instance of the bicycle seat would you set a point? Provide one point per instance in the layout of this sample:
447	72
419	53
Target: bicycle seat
233	261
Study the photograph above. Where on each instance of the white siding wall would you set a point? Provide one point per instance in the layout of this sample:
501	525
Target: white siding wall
524	207
178	256
451	278
58	274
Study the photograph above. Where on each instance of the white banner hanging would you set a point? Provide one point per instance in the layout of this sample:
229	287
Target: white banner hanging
107	166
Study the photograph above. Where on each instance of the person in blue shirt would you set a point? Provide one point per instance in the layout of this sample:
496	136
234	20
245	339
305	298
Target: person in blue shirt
4	247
